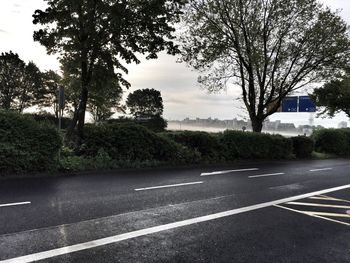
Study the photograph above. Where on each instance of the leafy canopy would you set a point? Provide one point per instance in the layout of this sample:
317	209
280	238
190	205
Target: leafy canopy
20	83
268	48
145	102
334	96
105	33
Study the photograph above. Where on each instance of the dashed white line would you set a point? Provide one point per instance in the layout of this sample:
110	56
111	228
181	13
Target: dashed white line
265	175
167	186
15	204
230	171
321	169
152	230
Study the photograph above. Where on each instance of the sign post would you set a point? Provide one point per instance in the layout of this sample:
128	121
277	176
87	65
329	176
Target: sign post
61	103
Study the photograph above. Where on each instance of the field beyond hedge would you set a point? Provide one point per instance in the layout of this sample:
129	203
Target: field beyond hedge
27	145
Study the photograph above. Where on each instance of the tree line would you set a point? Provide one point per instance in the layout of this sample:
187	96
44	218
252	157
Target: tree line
266	48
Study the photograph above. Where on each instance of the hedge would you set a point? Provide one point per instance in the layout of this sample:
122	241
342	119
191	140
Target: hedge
332	141
303	146
132	143
26	145
232	145
207	144
248	145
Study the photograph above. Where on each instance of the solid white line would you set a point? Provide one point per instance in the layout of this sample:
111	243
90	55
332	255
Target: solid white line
327	214
14	204
265	175
156	229
318	205
321	169
313	215
166	186
230	171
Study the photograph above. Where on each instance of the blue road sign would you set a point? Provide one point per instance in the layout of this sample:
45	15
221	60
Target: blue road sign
290	104
306	104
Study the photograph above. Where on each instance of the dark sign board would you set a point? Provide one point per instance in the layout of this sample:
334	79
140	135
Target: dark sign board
306	104
290	104
61	98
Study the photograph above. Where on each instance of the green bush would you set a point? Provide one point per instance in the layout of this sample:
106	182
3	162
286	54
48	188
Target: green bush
205	143
26	145
155	123
51	119
332	141
132	143
248	145
303	146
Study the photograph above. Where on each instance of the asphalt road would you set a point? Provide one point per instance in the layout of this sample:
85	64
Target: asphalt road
296	211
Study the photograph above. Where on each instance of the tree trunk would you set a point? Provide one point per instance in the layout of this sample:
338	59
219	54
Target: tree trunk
81	113
257	124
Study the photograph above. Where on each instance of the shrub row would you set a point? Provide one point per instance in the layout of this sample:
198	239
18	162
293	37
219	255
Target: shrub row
26	145
132	143
233	145
333	141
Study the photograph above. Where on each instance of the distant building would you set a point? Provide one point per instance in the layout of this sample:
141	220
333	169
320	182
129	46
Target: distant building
342	124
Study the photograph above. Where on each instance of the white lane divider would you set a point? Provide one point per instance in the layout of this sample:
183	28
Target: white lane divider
15	204
230	171
152	230
321	169
167	186
265	175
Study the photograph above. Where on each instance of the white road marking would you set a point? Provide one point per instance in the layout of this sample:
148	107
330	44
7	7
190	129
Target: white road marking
265	175
313	215
323	198
230	171
147	231
166	186
318	205
327	214
321	169
15	204
334	199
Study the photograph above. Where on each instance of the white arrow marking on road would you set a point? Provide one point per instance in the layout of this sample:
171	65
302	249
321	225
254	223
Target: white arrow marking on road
265	175
166	186
14	204
152	230
230	171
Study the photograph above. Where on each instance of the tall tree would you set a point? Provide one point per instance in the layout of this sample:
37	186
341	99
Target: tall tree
20	83
105	92
334	96
145	102
49	97
92	32
269	48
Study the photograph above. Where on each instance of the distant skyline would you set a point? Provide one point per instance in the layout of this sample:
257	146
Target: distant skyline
178	84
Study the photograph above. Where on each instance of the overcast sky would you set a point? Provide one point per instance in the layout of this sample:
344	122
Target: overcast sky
178	84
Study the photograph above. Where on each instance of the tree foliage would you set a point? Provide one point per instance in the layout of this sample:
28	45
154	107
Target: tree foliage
269	48
20	83
49	96
104	33
334	96
145	102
